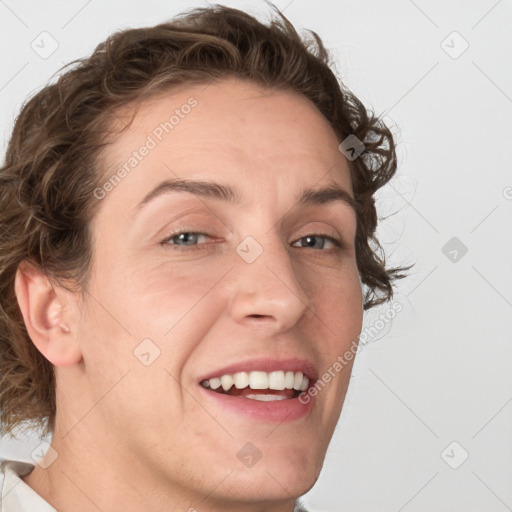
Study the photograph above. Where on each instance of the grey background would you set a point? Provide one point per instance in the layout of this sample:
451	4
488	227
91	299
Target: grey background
441	373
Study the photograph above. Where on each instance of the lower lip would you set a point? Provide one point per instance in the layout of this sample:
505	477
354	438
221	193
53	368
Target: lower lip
279	411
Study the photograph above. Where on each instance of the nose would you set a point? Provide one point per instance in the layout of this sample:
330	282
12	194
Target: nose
268	291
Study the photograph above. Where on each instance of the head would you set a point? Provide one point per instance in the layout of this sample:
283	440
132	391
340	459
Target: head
161	220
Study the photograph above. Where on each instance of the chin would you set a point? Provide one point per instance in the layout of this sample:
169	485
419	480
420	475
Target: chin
272	486
278	475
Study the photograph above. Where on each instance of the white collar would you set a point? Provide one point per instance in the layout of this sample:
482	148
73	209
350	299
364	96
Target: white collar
16	495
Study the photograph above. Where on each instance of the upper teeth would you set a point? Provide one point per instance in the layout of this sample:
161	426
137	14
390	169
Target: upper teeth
260	380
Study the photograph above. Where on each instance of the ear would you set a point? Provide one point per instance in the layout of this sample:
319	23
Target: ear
46	310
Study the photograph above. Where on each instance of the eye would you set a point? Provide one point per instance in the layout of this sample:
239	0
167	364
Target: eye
185	238
311	241
192	238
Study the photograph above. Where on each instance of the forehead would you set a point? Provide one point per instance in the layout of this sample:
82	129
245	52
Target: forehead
234	129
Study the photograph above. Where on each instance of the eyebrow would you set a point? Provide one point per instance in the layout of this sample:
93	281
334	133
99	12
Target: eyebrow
309	196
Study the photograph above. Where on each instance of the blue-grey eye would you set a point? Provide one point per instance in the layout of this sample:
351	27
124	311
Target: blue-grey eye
187	238
311	239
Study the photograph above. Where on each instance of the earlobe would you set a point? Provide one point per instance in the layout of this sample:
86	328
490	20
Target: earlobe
46	315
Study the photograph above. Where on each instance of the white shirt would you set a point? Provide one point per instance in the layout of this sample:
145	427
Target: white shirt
17	496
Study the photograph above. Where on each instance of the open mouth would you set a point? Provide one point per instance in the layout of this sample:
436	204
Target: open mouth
258	385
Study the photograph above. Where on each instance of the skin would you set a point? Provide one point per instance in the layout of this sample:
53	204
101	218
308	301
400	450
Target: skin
136	437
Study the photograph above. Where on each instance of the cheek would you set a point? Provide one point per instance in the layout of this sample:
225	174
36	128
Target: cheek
343	309
339	315
151	295
338	300
173	296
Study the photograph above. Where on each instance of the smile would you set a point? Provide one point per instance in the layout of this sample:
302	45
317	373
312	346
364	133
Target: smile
261	388
259	385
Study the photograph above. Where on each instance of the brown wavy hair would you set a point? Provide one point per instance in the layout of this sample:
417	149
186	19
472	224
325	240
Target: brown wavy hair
52	163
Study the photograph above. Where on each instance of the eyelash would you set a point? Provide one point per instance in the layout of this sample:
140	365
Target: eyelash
338	244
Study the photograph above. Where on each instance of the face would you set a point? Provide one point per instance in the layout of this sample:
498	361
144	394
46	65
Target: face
192	282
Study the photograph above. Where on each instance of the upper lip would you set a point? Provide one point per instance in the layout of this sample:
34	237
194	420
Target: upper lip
294	364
